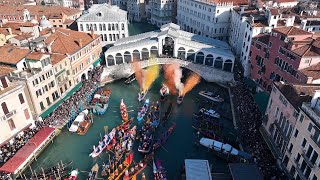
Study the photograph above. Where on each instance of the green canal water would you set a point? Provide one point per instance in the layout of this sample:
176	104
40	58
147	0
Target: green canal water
180	145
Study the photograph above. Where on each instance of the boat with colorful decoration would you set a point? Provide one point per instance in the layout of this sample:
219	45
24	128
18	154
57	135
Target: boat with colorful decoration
123	111
143	110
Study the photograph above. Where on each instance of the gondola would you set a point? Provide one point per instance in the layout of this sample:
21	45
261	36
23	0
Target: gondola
167	113
164	137
123	111
94	172
159	173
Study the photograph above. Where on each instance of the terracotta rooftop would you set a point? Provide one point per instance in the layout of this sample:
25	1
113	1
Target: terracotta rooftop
55	58
296	94
4	31
312	71
65	41
35	56
310	49
12	55
15	27
291	31
23	36
4	70
263	38
37	10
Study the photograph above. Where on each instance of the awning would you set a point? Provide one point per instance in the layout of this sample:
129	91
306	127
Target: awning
54	106
241	171
197	169
262	99
96	63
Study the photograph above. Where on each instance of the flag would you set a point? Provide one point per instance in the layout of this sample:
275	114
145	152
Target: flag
129	158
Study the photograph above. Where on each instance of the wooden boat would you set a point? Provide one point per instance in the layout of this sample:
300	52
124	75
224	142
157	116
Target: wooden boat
80	118
180	99
209	112
102	145
123	111
130	80
85	125
143	110
140	166
73	175
94	172
164	137
51	171
211	96
223	148
100	101
154	115
142	95
127	162
159	172
167	113
145	145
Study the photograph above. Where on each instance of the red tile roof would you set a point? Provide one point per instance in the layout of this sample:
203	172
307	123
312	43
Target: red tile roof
65	41
312	71
291	31
12	55
35	56
55	58
4	70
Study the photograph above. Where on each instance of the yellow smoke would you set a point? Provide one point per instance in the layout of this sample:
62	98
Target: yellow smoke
151	75
190	83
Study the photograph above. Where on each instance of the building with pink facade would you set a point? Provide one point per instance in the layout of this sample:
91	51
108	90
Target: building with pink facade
281	54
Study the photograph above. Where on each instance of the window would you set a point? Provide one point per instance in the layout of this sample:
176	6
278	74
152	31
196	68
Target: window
310	127
277	112
21	98
42	106
11	124
290	147
296	133
301	118
270	44
26	114
4	108
48	101
282	38
285	160
304	141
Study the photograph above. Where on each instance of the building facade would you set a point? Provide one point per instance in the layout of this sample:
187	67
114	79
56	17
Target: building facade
163	12
280	55
302	156
15	114
108	21
136	10
172	42
206	18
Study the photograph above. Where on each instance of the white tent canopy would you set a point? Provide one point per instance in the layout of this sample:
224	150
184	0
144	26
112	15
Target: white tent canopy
197	169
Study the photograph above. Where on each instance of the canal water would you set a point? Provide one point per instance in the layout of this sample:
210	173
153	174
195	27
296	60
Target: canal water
180	145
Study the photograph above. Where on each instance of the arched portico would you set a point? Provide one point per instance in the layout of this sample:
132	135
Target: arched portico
127	57
182	53
119	58
190	55
228	65
110	60
154	51
218	63
209	60
136	55
199	58
145	54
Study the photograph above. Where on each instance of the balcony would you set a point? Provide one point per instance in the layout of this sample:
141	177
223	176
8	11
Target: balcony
8	116
315	140
314	114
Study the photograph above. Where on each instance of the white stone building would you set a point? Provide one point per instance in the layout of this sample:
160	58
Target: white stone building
136	10
108	21
206	18
172	42
163	12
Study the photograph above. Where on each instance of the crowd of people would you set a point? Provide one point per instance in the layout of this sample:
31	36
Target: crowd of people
249	120
57	118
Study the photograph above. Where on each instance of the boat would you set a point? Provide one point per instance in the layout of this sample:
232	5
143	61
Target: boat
139	167
159	172
94	172
130	80
73	175
164	137
123	111
154	115
123	167
100	101
180	99
211	96
167	113
209	112
223	148
142	95
145	145
85	125
143	110
103	144
164	90
76	123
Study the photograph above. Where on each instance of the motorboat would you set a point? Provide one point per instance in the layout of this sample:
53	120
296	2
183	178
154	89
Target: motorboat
209	112
223	148
143	110
164	90
73	175
76	123
180	99
211	96
103	144
142	95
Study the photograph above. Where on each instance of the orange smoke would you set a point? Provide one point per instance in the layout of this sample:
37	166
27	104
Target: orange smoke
190	83
151	75
137	72
169	75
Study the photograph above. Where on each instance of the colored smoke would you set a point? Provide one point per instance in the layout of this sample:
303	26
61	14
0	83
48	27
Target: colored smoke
138	72
150	76
169	70
190	83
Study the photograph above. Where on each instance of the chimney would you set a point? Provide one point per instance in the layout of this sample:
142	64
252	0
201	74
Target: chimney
80	43
53	30
241	9
315	98
92	34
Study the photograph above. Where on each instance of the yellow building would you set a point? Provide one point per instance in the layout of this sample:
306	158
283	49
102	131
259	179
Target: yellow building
15	113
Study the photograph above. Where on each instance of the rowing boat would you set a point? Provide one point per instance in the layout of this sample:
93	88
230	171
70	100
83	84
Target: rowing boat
143	110
164	137
211	96
123	111
102	145
94	172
